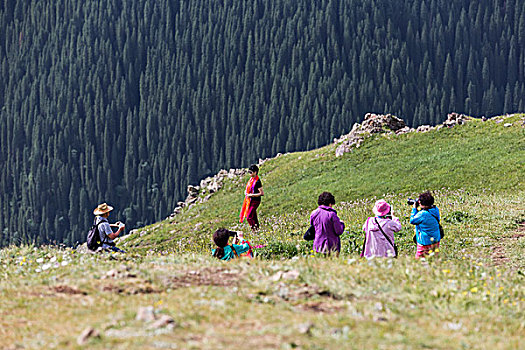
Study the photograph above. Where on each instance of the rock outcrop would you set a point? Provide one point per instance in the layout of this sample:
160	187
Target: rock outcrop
207	187
372	124
387	124
454	119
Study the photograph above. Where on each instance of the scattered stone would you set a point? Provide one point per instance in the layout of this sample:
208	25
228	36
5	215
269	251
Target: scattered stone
193	190
291	275
372	124
163	321
121	272
277	276
404	130
88	333
146	314
387	124
453	326
454	119
305	328
207	186
424	128
507	125
111	274
283	292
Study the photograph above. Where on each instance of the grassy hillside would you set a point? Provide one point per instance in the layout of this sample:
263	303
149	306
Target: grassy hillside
471	295
462	165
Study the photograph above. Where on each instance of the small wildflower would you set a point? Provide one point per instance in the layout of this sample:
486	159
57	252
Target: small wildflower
505	301
464	293
437	250
474	290
501	288
487	292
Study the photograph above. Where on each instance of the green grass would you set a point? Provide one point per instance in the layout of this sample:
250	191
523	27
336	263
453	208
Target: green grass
475	158
463	297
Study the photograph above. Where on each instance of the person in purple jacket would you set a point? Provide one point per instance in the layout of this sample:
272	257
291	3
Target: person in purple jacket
328	226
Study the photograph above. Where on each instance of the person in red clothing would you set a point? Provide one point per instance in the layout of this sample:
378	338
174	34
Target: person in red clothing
252	198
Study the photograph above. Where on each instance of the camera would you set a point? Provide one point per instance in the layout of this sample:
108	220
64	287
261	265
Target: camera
411	201
233	234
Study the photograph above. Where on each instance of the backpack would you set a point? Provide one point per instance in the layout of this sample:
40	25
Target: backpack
93	237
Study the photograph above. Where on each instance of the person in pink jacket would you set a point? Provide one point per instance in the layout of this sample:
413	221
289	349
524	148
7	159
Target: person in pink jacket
379	232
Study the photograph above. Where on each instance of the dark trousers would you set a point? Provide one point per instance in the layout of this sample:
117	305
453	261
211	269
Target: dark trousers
252	215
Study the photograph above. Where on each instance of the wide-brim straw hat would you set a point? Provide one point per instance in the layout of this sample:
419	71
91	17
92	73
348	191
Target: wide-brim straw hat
102	209
381	208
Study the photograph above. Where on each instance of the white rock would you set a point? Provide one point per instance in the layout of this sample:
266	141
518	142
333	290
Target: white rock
146	314
89	332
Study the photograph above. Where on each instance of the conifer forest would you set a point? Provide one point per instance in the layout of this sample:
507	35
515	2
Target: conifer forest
129	101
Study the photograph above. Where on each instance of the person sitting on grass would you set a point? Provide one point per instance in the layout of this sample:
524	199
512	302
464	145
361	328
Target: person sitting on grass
104	228
427	224
225	251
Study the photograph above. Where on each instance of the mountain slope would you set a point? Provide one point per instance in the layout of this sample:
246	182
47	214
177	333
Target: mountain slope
478	158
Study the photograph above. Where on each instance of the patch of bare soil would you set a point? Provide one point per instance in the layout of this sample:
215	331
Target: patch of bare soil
498	252
320	306
219	277
306	291
130	286
64	289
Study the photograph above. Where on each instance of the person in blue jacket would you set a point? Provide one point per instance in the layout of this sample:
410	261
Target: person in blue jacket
225	251
426	220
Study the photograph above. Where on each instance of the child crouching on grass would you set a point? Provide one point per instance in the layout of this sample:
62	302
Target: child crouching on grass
225	251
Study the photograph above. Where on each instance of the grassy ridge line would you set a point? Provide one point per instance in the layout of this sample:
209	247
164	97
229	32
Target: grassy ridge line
472	157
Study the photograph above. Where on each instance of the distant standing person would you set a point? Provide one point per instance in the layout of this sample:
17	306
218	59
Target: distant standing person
252	198
427	224
379	232
328	226
104	227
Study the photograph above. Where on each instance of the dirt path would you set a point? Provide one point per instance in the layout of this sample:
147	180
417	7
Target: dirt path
498	252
